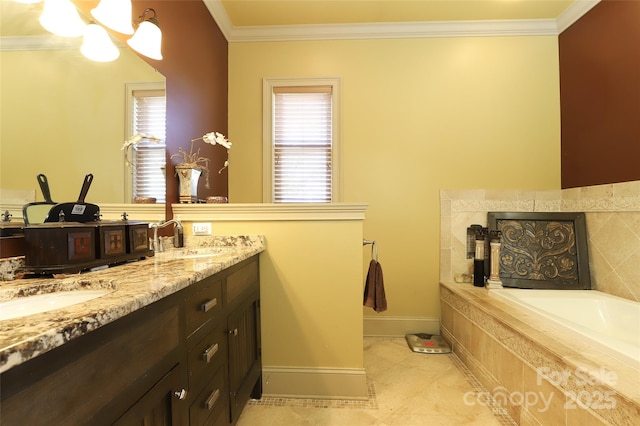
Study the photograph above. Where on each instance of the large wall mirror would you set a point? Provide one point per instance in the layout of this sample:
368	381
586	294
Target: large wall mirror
62	115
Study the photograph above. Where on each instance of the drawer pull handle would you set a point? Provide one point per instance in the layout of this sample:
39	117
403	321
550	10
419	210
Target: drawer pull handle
233	332
207	306
209	353
211	401
181	394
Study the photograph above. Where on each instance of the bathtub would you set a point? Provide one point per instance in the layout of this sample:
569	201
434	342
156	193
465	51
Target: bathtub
609	322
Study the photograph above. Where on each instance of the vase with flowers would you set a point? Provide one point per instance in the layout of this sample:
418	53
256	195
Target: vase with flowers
193	165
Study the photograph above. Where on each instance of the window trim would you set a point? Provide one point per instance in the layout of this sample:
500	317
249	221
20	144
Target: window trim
268	86
130	89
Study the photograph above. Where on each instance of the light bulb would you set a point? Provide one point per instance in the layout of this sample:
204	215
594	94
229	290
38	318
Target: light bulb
97	44
147	40
61	18
114	14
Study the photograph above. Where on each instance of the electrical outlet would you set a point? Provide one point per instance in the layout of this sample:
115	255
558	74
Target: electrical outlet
202	228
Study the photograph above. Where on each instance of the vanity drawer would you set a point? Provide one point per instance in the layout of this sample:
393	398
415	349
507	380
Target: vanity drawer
211	404
206	356
242	281
203	303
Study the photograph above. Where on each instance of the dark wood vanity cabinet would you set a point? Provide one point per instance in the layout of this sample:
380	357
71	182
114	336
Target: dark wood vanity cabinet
224	352
97	377
243	325
192	358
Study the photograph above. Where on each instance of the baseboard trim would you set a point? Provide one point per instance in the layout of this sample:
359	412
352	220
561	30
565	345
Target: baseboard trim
399	326
325	383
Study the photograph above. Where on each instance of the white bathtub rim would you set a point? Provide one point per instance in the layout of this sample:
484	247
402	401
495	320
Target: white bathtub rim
620	350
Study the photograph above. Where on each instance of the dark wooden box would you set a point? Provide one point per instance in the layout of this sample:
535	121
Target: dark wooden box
55	245
68	247
137	237
112	239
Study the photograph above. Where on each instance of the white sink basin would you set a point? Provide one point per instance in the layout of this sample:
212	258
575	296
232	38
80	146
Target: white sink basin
29	305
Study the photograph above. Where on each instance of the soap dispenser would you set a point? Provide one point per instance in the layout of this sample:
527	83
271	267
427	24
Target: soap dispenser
178	236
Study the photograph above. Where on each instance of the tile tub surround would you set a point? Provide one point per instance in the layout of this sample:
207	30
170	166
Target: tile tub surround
613	228
133	286
516	355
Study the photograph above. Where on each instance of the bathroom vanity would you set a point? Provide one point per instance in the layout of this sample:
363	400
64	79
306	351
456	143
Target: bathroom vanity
176	340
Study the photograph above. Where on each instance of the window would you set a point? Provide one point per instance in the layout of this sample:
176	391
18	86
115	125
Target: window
301	146
146	177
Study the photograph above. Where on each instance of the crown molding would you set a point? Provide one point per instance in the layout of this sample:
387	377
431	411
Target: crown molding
219	14
395	30
576	11
39	42
45	42
502	28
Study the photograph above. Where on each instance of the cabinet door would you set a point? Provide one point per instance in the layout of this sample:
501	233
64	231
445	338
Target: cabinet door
95	378
158	407
245	369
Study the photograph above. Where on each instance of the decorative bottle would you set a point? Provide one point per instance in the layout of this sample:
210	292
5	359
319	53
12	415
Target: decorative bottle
478	261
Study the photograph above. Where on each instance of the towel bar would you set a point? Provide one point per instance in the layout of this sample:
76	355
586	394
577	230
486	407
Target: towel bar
374	246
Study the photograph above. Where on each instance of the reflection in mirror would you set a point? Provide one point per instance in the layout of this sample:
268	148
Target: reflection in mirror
62	114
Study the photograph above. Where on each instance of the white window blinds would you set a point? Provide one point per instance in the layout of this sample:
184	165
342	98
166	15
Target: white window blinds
149	117
302	144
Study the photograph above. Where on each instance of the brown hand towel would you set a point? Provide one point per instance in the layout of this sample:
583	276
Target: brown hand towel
374	295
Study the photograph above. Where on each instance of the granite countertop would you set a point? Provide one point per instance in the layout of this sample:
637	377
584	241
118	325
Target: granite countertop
131	286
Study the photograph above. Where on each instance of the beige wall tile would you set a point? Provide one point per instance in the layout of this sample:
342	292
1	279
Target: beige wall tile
546	403
445	266
509	373
613	227
627	189
483	347
584	417
526	419
597	191
614	242
462	329
509	369
446	316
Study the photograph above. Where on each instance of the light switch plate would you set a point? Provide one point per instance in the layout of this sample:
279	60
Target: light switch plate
202	228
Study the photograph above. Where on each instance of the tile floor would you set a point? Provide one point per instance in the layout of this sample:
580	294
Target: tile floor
405	389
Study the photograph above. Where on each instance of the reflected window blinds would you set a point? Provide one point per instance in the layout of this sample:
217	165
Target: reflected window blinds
149	117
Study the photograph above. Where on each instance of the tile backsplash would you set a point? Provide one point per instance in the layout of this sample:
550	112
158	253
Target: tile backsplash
613	228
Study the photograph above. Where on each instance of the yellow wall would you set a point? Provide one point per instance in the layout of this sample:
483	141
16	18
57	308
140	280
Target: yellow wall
311	290
419	115
64	116
311	281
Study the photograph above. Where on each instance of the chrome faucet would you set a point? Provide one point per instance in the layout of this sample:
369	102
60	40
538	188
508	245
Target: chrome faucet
178	235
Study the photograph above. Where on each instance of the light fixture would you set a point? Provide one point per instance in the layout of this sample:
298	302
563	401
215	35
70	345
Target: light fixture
147	39
114	14
61	18
97	44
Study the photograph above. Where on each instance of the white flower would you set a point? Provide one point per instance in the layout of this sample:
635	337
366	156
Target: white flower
217	138
133	140
194	159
